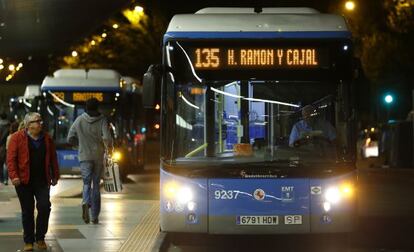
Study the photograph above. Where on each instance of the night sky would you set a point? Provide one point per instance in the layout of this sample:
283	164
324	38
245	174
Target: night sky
368	12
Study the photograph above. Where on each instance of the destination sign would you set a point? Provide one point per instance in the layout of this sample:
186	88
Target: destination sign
84	96
205	58
81	97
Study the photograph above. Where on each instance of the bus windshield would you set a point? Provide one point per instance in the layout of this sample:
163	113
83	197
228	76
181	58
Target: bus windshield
63	117
279	121
235	109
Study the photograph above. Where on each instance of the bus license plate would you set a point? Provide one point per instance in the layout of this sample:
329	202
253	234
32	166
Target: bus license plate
257	220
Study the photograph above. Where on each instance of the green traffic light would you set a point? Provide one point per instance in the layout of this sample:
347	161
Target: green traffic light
388	99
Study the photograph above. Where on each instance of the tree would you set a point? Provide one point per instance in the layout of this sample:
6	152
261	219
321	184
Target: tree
128	43
383	37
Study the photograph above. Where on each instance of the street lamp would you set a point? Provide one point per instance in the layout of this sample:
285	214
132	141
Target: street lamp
349	5
139	9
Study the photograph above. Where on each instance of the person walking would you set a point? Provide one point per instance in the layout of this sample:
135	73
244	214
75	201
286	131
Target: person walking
33	167
90	132
4	132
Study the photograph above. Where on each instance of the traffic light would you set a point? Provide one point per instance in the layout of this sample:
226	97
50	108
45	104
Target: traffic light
388	99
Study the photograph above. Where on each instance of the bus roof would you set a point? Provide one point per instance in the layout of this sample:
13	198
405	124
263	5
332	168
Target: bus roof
271	10
245	23
82	80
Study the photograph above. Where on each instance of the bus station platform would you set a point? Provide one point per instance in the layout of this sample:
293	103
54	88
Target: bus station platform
126	222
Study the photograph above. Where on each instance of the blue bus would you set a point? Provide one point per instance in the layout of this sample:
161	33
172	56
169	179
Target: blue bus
257	122
21	105
65	94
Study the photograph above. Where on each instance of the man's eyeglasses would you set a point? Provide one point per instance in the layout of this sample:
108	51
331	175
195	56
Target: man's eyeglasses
39	121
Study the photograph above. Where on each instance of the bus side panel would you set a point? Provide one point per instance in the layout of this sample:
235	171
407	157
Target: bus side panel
341	218
276	205
180	212
68	161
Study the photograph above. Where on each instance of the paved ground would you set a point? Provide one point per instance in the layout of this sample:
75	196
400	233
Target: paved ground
120	214
386	219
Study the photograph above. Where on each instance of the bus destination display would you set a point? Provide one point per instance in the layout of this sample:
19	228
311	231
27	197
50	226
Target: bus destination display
204	58
81	96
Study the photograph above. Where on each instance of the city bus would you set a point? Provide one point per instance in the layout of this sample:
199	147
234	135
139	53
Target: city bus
65	94
236	154
21	105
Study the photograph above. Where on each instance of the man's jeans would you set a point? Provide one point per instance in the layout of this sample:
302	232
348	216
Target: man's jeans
91	174
26	194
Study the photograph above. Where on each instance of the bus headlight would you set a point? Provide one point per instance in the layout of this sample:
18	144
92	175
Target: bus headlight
116	156
335	194
184	195
181	194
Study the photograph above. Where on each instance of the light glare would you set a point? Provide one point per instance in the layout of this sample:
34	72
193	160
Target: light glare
333	195
184	195
326	206
388	99
191	206
139	9
350	5
117	156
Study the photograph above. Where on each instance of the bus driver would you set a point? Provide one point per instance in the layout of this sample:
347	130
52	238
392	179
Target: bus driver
310	125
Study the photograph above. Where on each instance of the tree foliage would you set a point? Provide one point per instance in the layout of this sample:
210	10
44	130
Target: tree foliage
128	43
400	15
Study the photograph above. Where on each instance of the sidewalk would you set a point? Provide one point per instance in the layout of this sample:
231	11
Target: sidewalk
67	232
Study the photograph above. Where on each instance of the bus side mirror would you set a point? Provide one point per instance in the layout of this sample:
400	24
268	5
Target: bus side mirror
151	82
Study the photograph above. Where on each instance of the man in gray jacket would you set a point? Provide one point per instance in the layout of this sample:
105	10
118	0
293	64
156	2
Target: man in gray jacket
90	132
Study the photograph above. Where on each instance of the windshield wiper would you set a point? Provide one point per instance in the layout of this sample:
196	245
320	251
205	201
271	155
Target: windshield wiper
280	162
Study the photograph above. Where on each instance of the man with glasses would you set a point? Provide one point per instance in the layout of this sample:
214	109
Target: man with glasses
33	167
